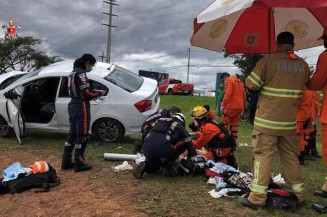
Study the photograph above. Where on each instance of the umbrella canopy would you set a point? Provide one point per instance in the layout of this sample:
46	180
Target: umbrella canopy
248	26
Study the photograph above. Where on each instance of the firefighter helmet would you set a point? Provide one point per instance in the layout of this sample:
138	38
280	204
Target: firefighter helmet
199	112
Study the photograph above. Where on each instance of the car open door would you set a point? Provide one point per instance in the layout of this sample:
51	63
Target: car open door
13	105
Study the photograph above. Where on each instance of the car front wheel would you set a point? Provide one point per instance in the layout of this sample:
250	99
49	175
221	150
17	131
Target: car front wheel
108	130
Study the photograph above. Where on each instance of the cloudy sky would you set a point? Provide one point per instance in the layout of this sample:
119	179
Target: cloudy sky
150	34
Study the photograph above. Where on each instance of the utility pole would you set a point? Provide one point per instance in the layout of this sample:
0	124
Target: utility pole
188	64
102	56
109	25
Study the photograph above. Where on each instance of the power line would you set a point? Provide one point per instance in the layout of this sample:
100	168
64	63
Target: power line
145	18
157	8
138	12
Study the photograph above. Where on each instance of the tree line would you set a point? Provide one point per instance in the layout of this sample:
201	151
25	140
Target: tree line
20	53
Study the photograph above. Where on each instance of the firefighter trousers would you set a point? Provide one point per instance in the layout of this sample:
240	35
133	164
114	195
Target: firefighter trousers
324	142
264	149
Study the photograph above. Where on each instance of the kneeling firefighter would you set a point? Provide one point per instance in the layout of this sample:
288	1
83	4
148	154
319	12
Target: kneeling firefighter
162	146
214	137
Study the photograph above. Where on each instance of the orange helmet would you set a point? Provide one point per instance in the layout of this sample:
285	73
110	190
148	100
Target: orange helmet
40	167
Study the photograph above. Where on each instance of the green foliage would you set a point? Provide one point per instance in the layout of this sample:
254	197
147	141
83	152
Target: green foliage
19	53
245	62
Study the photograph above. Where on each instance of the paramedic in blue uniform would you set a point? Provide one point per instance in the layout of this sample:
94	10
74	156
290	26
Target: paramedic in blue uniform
79	113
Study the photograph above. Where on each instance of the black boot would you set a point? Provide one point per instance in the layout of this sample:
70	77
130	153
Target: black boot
320	193
307	155
66	162
81	166
315	154
140	170
79	160
322	208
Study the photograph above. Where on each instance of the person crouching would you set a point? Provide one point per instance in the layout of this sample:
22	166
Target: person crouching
162	146
214	137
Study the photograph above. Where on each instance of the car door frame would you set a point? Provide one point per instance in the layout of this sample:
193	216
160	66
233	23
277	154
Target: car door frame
15	118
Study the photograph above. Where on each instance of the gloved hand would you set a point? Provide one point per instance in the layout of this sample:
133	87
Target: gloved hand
222	109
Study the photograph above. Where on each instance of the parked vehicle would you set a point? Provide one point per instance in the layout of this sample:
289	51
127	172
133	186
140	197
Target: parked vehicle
174	86
158	76
9	77
39	100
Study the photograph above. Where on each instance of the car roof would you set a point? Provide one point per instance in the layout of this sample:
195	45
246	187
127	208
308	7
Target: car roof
10	74
100	69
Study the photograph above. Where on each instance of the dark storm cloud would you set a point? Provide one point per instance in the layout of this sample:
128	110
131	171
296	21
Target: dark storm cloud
149	35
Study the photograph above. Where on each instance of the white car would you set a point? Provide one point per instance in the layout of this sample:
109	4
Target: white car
39	100
9	77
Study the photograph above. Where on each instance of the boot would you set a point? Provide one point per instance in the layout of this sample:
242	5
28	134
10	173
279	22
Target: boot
320	193
307	155
66	162
246	203
140	170
81	166
314	153
322	208
79	160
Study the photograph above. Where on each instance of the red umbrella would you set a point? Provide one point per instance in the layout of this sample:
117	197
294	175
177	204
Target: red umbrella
248	26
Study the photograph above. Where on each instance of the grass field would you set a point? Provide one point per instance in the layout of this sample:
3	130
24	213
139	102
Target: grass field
181	196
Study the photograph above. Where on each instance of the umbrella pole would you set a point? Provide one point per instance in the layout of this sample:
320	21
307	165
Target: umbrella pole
269	29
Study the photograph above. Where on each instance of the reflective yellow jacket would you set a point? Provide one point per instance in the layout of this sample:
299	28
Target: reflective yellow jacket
280	77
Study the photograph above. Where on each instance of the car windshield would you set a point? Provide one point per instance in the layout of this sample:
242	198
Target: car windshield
28	75
125	79
9	81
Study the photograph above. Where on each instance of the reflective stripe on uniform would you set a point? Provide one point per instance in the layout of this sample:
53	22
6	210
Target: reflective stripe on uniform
279	92
298	188
277	125
256	171
259	189
255	79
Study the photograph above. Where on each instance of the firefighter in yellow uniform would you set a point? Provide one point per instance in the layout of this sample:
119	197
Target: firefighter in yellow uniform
280	78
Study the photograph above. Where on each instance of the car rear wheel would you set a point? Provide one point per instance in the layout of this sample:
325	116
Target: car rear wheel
170	91
108	130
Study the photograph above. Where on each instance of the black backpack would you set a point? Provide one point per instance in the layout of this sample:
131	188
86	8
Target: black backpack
193	166
44	180
282	200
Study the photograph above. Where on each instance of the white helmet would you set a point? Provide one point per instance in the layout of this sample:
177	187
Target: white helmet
180	117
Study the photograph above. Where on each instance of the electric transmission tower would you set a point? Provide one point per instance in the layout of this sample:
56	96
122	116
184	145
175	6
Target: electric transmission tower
109	25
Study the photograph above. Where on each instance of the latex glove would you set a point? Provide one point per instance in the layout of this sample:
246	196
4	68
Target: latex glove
222	109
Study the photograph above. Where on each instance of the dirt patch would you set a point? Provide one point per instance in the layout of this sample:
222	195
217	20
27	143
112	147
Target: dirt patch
80	194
